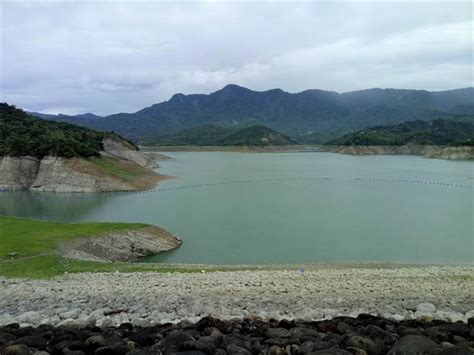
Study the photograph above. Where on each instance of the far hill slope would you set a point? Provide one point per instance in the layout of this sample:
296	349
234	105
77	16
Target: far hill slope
204	135
438	132
211	135
295	114
43	155
257	136
435	139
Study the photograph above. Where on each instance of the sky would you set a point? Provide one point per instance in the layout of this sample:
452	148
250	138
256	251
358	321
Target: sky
107	57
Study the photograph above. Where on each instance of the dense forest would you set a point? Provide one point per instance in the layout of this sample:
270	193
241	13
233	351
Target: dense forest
437	132
211	135
201	136
22	134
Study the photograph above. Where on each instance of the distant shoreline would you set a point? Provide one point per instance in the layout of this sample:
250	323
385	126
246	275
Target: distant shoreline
428	151
242	149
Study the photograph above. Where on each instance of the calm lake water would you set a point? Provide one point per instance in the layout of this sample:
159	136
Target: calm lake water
232	208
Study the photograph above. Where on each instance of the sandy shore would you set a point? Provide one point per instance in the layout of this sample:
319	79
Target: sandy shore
318	292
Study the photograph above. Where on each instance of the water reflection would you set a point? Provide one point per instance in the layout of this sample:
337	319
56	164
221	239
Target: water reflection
51	206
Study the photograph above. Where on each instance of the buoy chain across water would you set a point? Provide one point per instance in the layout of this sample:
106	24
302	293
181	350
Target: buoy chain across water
246	181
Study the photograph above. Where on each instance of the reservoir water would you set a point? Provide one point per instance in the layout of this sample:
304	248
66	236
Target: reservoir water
263	208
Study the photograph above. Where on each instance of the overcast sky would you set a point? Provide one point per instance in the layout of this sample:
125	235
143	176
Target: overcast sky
108	57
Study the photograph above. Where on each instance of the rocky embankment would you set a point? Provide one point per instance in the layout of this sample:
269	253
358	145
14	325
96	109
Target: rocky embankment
57	174
364	335
122	246
117	148
317	292
429	151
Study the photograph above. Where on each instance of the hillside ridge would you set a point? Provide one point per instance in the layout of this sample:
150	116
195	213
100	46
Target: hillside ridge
295	114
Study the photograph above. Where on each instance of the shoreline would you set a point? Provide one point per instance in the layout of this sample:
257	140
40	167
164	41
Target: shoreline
465	153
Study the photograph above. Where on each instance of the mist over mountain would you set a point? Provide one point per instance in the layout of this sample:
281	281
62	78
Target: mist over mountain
318	114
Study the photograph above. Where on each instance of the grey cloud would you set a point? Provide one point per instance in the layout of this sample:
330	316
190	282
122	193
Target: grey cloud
112	57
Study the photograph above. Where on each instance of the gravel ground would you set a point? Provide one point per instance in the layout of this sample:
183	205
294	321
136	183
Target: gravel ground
317	292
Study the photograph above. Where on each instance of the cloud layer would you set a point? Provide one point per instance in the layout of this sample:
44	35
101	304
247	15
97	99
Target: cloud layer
109	57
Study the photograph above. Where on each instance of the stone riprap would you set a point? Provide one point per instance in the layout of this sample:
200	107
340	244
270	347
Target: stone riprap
364	335
317	292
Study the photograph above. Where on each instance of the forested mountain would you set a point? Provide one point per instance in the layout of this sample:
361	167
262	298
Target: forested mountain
321	115
210	135
23	134
437	132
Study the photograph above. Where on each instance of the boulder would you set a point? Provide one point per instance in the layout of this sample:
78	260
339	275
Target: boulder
426	307
361	342
414	345
277	333
172	343
31	317
18	349
457	350
32	341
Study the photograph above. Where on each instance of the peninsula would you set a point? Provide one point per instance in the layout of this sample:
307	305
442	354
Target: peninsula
41	155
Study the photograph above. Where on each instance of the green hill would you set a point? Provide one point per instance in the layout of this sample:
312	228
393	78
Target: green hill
22	134
437	132
257	135
211	135
202	135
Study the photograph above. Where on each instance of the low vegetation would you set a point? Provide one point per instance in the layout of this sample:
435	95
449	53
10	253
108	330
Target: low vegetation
48	266
24	238
438	132
122	169
29	248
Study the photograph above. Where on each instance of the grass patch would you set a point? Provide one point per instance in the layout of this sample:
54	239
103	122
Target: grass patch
27	237
35	244
127	171
43	267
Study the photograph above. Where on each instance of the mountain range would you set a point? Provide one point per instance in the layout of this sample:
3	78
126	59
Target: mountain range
313	116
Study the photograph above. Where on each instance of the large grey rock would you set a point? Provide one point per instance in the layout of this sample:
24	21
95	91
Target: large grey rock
414	345
426	307
172	343
361	342
17	350
95	341
277	333
233	349
457	350
73	314
31	317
